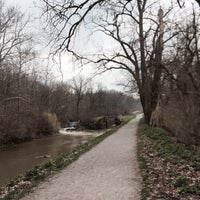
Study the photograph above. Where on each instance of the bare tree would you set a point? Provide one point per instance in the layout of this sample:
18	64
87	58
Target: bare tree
178	110
13	48
137	33
12	26
61	101
79	87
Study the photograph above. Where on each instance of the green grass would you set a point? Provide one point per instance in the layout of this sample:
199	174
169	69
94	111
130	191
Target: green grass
171	151
18	187
128	118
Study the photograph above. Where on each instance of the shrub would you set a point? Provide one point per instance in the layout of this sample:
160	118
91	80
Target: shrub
25	125
53	121
47	124
17	127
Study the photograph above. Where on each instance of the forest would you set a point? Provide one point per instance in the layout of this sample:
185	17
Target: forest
31	104
153	47
155	42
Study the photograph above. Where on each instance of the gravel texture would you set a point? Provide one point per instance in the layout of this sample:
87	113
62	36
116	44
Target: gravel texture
107	172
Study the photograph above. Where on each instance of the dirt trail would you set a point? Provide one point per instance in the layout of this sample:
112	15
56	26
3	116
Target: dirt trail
107	172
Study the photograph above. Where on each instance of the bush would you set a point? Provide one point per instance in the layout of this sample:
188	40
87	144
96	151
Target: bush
17	127
53	121
26	125
179	115
118	120
99	123
48	124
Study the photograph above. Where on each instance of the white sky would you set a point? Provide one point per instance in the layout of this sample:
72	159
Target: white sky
108	79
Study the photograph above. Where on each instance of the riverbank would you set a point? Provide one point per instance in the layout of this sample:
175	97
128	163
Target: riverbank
25	126
108	171
16	188
170	169
19	158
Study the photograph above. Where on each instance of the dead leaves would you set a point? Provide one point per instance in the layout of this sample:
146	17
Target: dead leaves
168	172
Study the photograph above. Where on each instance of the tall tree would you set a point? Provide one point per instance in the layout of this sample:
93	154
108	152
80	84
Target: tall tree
133	28
12	26
79	86
13	46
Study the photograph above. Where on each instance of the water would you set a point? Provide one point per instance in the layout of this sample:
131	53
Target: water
19	158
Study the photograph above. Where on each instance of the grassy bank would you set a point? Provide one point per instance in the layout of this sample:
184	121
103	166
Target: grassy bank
170	170
18	187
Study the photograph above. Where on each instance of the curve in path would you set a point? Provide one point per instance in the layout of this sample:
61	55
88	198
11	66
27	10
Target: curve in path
107	172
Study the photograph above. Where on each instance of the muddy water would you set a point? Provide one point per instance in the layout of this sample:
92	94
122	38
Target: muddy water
19	158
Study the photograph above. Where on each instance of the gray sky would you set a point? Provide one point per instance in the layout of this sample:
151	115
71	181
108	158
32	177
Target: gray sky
26	6
109	79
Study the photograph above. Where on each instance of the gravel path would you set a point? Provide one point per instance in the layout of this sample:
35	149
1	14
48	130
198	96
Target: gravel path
107	172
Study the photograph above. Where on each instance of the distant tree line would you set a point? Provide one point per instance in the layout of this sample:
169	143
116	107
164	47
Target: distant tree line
31	108
31	104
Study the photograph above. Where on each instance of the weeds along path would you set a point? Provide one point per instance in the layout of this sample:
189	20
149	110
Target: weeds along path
107	172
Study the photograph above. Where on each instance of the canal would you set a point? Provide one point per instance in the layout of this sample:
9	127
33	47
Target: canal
17	159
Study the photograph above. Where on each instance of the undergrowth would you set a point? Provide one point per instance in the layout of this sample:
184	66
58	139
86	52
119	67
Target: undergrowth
170	169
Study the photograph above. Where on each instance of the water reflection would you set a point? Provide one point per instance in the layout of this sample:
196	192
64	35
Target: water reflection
19	158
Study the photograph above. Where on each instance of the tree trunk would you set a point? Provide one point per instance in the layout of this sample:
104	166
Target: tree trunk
149	93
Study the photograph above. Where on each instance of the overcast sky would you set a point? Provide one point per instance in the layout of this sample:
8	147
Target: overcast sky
23	4
110	79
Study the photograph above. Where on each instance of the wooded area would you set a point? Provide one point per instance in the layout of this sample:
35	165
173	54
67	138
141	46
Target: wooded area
156	42
31	104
